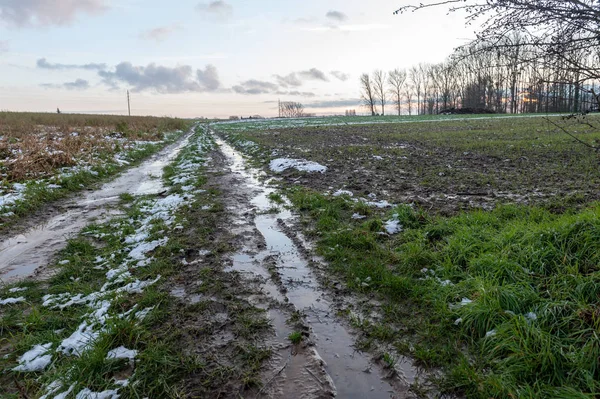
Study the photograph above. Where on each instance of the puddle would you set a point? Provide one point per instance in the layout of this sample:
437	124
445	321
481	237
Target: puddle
21	255
352	372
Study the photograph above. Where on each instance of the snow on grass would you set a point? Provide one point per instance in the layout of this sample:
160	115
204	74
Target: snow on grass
17	289
80	340
139	252
379	204
11	301
37	359
122	353
281	164
88	394
339	193
55	387
393	226
120	282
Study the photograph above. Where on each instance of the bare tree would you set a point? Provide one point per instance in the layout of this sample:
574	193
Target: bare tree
417	83
396	80
408	94
556	29
379	80
368	93
291	109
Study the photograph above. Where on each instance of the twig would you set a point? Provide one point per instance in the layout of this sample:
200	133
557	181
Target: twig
21	389
571	135
274	376
314	376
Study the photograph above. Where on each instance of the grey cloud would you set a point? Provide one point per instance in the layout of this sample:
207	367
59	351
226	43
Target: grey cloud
219	9
79	84
289	80
335	103
337	16
4	46
340	75
314	74
44	64
209	78
162	79
253	86
159	34
44	12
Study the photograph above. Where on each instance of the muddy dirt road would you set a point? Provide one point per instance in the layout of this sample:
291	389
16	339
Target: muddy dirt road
277	257
267	267
21	255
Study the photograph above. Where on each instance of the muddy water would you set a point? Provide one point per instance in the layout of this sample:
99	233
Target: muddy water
353	373
22	255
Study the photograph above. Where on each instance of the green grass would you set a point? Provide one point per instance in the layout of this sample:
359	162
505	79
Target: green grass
448	165
159	367
295	337
37	193
530	279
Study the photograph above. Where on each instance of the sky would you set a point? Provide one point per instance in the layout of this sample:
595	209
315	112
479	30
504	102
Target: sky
190	58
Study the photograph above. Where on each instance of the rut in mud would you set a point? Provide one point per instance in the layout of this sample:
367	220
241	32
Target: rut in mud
26	254
273	257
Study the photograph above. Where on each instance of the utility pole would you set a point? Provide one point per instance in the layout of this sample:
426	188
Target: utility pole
128	103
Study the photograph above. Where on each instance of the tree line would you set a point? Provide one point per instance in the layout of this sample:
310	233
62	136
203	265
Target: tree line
530	56
512	80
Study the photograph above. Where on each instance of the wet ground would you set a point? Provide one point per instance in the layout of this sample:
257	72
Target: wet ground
444	167
279	262
28	252
257	259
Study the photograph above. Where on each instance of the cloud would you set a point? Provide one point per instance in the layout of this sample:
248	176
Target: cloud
209	78
288	80
313	74
219	9
254	86
161	33
350	102
4	46
45	12
162	79
340	75
44	64
79	84
337	16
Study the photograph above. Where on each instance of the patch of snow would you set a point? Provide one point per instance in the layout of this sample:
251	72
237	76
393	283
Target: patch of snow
79	340
281	164
11	301
379	204
122	353
138	286
358	216
17	289
339	193
54	387
531	316
88	394
393	226
139	252
36	359
122	383
141	315
490	333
